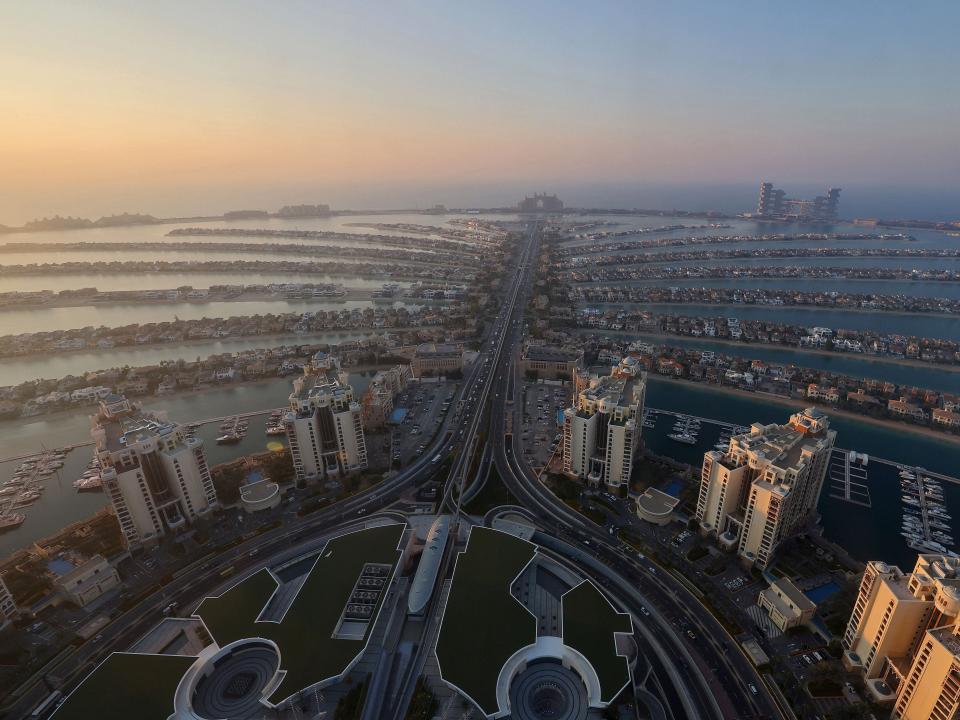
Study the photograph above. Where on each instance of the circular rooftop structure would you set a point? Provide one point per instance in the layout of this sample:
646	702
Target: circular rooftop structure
232	683
259	493
656	506
546	690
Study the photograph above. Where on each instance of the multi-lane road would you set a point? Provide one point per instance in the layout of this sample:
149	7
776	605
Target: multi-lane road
715	679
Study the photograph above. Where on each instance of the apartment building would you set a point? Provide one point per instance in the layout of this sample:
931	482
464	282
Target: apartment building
765	488
786	605
601	431
378	400
551	362
904	636
154	473
436	359
324	423
88	581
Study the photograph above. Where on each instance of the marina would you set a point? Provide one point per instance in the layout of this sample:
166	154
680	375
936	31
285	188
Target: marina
25	486
234	430
926	522
869	528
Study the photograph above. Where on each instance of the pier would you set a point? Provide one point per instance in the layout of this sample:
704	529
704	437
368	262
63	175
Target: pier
37	454
849	479
924	471
733	427
928	519
224	418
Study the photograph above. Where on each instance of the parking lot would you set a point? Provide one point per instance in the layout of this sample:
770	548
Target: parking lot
540	433
425	404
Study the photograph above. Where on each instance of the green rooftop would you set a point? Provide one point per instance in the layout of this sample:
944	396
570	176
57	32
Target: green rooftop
483	624
127	685
228	616
589	624
309	652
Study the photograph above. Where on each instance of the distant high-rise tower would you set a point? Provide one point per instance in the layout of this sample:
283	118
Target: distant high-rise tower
154	474
541	203
766	486
324	423
827	205
770	203
775	205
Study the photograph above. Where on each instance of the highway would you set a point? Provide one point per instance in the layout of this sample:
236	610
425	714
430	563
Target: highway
468	440
711	667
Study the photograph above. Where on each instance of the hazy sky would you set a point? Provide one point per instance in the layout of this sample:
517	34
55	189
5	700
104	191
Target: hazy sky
190	107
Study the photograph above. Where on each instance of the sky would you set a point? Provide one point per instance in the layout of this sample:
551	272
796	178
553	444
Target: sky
180	108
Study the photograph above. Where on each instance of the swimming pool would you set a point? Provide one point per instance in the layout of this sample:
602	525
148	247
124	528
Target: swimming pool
673	488
822	592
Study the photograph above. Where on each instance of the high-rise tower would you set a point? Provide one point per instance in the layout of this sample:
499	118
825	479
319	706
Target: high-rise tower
154	474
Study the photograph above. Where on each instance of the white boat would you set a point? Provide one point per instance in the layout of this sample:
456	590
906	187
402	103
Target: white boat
10	521
927	546
907	475
92	484
684	438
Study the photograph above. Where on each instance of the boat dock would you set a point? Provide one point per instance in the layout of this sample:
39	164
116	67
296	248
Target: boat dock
924	471
37	454
848	478
925	519
224	418
720	423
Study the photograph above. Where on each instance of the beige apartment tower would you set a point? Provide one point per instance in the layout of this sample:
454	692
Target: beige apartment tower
154	473
601	432
765	488
324	423
904	637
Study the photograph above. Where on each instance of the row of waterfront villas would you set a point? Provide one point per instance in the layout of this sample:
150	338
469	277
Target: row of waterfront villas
918	405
